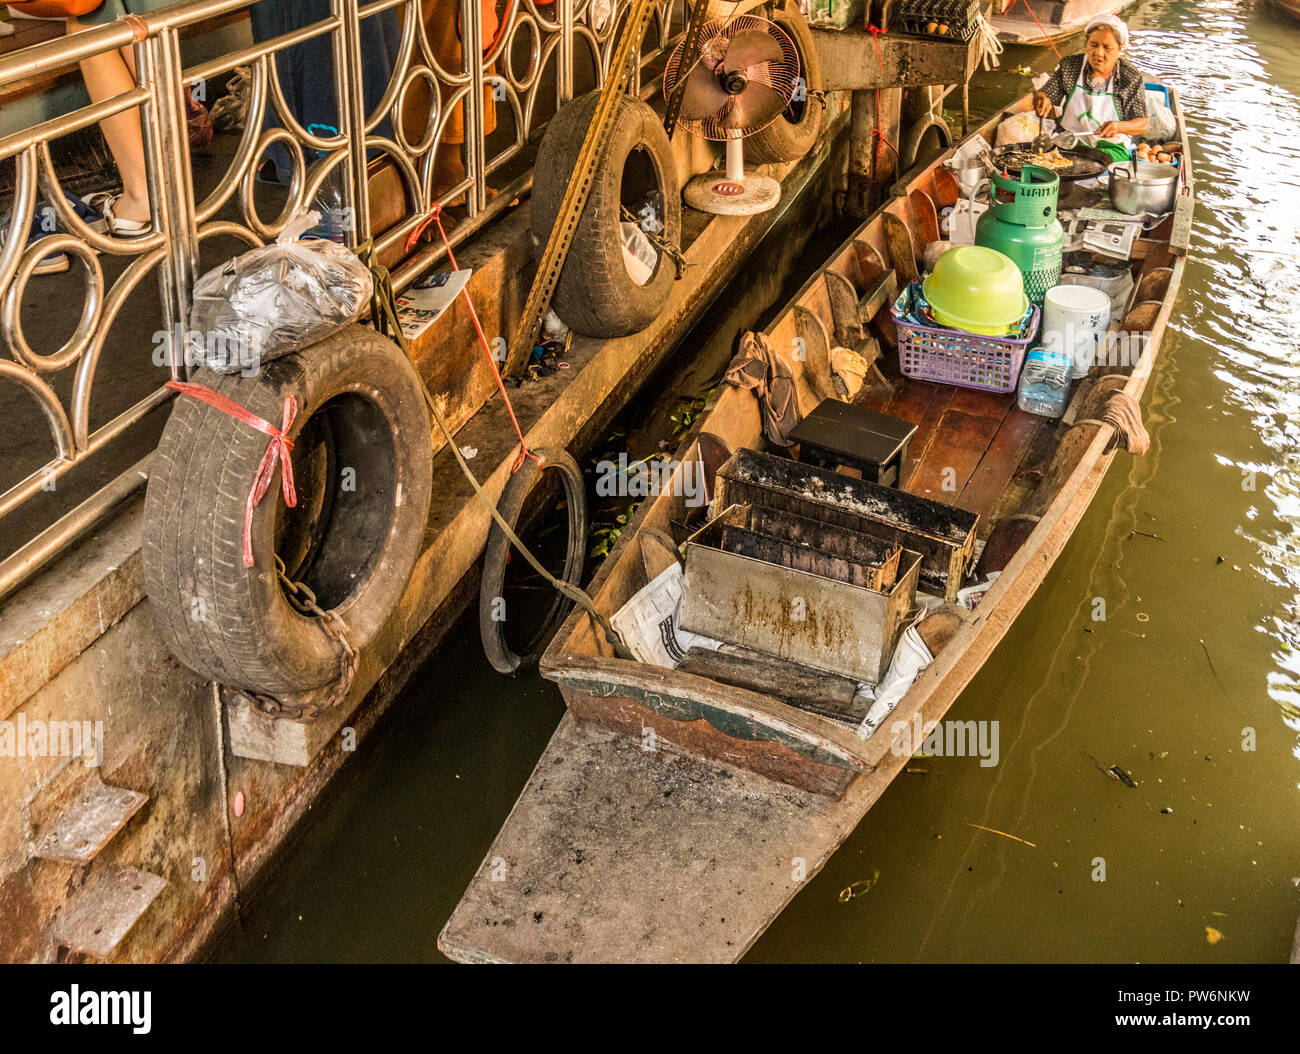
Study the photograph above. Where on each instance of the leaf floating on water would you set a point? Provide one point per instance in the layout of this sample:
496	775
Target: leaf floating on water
860	888
1212	935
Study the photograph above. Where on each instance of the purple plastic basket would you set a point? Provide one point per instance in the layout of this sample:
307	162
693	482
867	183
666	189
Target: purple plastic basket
968	360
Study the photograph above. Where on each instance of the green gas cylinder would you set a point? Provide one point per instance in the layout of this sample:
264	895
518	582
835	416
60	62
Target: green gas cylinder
1021	222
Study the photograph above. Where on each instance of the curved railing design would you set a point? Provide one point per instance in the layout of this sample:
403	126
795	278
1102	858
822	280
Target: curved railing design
574	37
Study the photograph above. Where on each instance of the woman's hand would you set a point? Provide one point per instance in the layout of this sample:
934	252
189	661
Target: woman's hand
1111	128
1043	105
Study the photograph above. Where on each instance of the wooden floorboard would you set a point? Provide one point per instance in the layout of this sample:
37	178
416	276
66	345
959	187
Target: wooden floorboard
1027	475
984	490
960	442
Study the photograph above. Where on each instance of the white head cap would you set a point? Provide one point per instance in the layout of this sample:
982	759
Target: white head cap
1110	22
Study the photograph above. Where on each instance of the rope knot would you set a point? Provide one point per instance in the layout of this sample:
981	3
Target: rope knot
876	33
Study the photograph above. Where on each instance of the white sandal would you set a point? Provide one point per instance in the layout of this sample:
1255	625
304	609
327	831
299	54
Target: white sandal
103	202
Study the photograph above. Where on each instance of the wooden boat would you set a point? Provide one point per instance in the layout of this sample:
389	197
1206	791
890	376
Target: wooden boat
672	817
1045	23
1291	7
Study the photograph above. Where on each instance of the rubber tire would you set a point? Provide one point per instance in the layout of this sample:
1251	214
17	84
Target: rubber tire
910	147
595	295
497	553
250	636
783	139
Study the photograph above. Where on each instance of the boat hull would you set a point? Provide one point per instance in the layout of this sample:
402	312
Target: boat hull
1056	22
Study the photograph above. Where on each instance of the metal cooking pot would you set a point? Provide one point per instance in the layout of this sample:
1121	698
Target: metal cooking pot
1152	189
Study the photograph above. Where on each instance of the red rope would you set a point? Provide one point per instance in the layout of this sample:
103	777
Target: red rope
1037	23
436	218
878	136
876	33
277	450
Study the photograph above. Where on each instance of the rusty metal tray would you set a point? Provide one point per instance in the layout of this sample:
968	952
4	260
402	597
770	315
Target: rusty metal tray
943	534
740	588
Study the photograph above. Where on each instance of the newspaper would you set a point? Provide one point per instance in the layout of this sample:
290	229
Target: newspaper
425	301
648	623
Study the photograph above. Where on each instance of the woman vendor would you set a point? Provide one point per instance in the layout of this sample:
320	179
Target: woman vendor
1099	92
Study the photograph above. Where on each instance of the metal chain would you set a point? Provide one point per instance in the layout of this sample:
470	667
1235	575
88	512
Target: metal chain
304	601
660	243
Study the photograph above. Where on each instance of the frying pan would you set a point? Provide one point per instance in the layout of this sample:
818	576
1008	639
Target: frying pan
1085	161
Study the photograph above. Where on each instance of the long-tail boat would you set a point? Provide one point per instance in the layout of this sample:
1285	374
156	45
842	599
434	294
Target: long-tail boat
673	816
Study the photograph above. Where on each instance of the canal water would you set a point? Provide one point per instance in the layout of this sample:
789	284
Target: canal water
1190	684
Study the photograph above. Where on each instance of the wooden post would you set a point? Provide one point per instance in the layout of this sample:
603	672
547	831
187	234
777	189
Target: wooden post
872	167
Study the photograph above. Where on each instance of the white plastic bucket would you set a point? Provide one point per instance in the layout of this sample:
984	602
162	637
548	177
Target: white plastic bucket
1075	319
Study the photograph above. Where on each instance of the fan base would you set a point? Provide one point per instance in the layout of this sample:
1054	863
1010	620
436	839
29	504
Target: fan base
716	193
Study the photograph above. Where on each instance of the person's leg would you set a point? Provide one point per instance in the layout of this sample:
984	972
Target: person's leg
108	75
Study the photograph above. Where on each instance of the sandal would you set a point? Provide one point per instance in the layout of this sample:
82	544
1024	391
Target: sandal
110	224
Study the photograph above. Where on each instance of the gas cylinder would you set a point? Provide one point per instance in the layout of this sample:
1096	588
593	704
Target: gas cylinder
1021	222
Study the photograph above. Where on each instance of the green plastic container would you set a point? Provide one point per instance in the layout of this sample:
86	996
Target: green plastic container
1021	222
976	289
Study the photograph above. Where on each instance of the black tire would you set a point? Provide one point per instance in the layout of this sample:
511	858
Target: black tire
795	131
596	295
353	537
497	554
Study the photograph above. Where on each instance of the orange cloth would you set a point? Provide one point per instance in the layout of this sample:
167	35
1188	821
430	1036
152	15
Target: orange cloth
442	24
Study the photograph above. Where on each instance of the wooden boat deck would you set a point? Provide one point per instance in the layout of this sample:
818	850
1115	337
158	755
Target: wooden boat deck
975	450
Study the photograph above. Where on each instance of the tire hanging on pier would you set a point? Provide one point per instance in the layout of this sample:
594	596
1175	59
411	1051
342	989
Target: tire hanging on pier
795	131
596	294
491	601
362	467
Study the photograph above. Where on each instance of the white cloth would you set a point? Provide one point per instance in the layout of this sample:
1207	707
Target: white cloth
1088	108
1115	23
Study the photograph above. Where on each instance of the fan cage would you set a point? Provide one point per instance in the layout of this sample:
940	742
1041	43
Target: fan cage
783	77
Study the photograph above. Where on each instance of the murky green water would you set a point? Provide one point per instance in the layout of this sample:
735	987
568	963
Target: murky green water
1191	683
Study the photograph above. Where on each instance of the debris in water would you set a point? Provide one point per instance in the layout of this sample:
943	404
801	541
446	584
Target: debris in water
860	888
1212	669
994	830
1212	935
468	452
1122	776
1167	811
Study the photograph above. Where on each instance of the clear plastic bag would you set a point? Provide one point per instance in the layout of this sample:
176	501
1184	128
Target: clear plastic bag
271	301
638	254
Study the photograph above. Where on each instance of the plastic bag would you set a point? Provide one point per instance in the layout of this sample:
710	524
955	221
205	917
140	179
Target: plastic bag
1161	124
1023	128
271	301
910	659
835	14
638	254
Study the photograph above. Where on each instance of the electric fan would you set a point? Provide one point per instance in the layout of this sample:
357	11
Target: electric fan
745	75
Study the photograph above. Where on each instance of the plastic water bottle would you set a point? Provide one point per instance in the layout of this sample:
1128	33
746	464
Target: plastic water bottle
1044	387
330	201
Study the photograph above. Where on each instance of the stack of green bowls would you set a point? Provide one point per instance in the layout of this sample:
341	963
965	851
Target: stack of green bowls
976	289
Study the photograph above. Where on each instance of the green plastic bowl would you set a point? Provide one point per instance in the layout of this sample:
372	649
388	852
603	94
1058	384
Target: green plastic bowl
976	289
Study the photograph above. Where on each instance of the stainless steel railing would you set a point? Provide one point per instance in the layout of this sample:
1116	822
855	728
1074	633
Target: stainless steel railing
565	33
